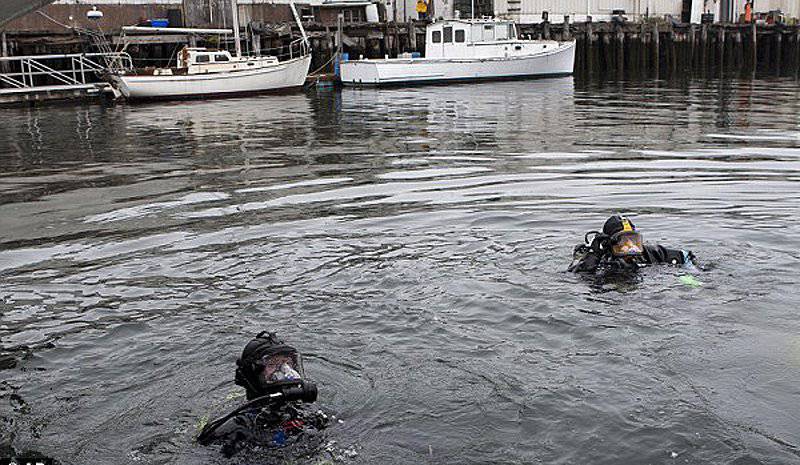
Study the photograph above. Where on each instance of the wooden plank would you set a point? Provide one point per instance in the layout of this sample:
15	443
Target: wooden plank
151	39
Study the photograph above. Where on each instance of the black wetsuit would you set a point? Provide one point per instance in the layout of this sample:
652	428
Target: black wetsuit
588	259
270	427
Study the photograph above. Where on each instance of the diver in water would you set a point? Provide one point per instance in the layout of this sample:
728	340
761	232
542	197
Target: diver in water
619	247
275	413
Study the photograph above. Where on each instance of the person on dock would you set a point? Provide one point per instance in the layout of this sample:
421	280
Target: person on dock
620	247
276	413
422	9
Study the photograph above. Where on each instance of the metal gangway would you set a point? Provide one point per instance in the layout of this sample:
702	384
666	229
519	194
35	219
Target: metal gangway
54	73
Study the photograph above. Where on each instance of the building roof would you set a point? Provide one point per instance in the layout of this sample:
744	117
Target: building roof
12	9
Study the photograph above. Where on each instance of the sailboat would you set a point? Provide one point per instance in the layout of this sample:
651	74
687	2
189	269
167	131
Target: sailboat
205	72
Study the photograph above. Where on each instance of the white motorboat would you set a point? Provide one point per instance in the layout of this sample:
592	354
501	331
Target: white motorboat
467	49
203	72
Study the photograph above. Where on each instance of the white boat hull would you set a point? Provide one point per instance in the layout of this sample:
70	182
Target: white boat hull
285	74
554	62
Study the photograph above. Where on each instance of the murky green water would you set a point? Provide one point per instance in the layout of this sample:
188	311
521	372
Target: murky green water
412	243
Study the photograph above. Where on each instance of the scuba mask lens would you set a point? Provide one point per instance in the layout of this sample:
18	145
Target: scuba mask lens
286	366
627	244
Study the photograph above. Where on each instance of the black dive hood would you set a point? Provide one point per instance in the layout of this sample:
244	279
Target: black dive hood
603	241
258	370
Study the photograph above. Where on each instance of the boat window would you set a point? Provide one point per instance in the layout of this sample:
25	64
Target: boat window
477	31
488	32
501	33
512	33
202	58
437	37
221	58
448	35
460	35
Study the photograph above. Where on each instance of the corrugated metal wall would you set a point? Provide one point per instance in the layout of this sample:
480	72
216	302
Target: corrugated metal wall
788	7
599	8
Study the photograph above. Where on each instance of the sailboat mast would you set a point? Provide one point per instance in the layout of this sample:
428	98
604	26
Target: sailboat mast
235	14
472	6
299	23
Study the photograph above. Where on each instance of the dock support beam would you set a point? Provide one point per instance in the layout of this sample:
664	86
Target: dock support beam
656	52
4	68
778	50
754	47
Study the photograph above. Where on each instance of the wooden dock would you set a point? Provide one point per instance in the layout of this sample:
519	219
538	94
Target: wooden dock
614	50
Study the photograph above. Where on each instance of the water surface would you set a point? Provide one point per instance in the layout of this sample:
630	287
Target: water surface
412	243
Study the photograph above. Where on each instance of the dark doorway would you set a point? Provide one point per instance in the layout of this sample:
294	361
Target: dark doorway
686	11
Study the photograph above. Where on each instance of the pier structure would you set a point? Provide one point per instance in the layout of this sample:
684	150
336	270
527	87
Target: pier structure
56	77
618	50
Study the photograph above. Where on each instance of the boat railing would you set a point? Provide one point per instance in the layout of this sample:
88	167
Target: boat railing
301	45
296	48
78	69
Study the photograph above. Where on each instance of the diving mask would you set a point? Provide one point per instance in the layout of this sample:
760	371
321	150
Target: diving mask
627	244
284	366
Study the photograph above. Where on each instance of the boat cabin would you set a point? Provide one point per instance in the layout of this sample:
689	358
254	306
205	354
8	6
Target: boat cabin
202	61
477	38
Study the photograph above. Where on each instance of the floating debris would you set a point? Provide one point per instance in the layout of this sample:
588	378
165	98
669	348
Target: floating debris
689	280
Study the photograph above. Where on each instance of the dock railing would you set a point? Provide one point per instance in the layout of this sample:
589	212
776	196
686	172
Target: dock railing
76	71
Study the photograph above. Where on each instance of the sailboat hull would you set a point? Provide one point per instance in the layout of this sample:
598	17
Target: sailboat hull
282	75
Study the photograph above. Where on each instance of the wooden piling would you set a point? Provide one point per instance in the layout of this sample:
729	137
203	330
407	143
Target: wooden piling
738	53
4	68
546	30
412	36
704	48
386	45
608	57
329	38
753	48
589	50
721	49
397	42
619	57
644	43
656	50
778	50
256	43
671	46
797	54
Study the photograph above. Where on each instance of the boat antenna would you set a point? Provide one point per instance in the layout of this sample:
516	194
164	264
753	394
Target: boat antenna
236	38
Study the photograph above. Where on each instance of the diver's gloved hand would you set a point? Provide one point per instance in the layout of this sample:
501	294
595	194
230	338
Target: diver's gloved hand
583	259
690	261
580	251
